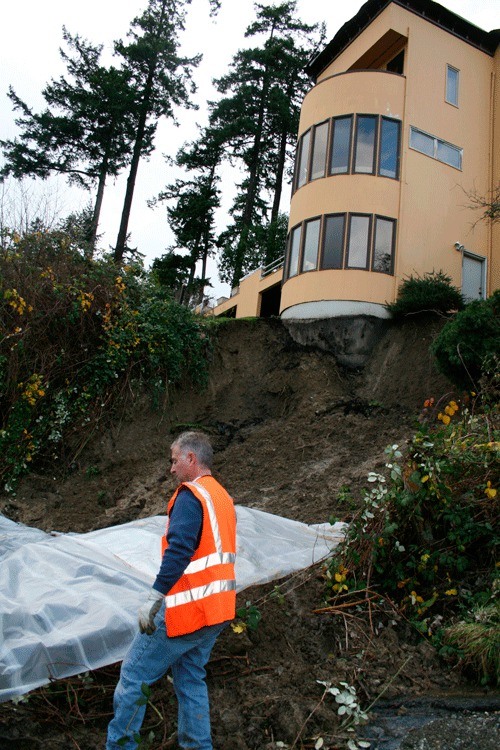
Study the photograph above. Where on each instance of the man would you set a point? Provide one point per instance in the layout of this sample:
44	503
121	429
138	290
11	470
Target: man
191	601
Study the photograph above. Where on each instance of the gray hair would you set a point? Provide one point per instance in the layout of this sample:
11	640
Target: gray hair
197	443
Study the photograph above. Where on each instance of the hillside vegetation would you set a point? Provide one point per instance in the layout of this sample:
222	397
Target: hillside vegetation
103	372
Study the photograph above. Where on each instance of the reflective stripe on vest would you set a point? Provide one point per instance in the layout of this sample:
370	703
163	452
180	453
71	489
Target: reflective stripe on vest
217	558
200	592
211	513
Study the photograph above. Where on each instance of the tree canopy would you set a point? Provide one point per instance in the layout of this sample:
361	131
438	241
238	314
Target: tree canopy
86	130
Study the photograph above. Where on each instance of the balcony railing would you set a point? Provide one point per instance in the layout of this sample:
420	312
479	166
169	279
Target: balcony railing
272	267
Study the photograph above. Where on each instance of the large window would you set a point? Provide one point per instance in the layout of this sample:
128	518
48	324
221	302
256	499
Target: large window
361	144
361	241
436	148
452	77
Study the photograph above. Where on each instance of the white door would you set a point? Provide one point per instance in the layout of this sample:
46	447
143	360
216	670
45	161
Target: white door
473	277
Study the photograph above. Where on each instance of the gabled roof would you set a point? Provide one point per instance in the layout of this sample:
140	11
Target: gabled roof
487	41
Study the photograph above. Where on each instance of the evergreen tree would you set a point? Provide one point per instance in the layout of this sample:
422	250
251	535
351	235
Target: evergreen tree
86	130
257	120
191	217
162	80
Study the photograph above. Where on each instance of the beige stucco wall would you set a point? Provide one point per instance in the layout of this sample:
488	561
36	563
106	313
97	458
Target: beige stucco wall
248	299
429	201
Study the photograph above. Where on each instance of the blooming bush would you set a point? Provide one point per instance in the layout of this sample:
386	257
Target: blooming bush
74	332
426	534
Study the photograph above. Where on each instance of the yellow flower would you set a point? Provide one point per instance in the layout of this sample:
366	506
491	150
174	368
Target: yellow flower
451	592
239	627
446	419
490	491
425	479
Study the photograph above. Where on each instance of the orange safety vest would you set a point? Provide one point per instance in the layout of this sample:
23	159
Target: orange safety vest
205	594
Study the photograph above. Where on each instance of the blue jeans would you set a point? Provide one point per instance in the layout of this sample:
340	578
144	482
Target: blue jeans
147	659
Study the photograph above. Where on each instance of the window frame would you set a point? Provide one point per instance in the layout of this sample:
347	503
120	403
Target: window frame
350	117
321	267
393	221
366	267
436	140
305	224
312	147
376	118
308	132
346	236
289	258
448	100
398	149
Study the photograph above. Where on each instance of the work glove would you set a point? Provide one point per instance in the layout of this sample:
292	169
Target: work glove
148	612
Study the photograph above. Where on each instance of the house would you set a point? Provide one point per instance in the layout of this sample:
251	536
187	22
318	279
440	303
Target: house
399	132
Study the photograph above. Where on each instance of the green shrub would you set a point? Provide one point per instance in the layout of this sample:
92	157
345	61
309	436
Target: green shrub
466	345
426	536
432	292
77	333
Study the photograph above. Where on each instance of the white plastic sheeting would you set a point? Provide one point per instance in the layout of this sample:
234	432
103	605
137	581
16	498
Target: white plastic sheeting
68	602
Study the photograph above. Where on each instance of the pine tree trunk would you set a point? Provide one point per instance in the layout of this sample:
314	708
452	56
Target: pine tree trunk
96	213
121	240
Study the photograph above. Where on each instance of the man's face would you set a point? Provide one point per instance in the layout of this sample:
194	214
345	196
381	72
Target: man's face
182	464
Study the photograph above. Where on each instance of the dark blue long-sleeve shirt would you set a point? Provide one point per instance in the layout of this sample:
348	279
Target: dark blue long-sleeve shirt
184	533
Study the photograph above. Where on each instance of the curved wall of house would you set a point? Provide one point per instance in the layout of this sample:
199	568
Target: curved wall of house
345	291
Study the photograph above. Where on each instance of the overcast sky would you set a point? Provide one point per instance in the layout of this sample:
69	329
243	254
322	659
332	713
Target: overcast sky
30	37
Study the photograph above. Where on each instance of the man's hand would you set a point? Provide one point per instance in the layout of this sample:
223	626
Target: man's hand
148	611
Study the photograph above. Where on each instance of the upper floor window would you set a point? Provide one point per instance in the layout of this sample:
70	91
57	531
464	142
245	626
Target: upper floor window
452	78
361	144
364	152
436	148
390	133
341	145
303	159
319	146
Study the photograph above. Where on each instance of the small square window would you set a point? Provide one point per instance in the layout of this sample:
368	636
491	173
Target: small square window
452	76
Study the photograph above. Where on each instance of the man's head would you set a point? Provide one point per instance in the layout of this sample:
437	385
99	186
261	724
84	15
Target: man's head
191	456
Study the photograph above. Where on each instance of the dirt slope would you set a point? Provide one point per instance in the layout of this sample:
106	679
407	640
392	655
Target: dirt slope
291	428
